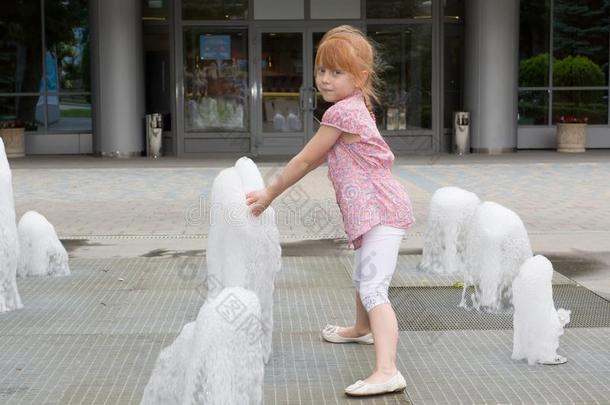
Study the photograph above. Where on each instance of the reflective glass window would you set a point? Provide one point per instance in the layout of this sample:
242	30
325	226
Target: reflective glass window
592	104
29	109
214	9
215	80
67	41
21	47
406	98
533	107
453	10
282	69
399	9
69	113
155	10
580	42
534	43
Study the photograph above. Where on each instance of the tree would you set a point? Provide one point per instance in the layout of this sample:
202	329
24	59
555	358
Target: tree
582	28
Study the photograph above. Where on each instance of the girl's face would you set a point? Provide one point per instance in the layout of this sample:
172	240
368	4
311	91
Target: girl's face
334	84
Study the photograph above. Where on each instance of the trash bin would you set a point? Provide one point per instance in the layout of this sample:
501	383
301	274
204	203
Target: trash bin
461	132
154	134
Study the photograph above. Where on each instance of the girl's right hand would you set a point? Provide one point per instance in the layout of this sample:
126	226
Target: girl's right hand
258	201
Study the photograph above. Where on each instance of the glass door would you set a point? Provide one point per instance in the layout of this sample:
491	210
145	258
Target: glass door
280	103
287	107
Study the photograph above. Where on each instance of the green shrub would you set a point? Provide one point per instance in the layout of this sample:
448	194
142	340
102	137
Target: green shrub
577	71
533	71
569	72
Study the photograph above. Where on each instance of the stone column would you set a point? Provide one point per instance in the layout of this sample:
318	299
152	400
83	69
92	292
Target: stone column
117	77
492	68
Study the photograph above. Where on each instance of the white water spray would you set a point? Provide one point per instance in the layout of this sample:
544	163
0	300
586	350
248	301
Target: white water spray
9	242
497	245
243	250
219	359
215	360
537	324
451	211
42	254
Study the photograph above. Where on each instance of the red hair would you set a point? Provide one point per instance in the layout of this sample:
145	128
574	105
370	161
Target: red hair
348	49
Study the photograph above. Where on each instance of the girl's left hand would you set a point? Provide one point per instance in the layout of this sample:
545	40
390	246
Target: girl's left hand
258	201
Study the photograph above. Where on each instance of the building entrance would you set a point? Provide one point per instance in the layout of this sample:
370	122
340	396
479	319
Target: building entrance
249	89
286	105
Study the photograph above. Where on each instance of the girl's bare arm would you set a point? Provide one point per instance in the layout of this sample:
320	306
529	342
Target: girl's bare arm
310	157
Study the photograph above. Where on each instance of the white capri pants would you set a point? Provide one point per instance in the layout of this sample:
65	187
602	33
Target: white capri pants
375	263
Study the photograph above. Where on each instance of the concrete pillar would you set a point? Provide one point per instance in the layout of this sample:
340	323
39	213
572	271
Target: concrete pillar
492	68
117	77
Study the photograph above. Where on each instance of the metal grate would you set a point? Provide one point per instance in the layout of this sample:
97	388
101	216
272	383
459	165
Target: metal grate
436	308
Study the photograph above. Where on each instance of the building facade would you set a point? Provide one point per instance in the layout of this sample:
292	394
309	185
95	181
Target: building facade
236	76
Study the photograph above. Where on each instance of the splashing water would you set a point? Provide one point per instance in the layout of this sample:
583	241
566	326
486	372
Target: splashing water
215	360
451	211
228	233
228	364
497	245
167	382
243	250
9	242
537	324
219	359
251	178
42	254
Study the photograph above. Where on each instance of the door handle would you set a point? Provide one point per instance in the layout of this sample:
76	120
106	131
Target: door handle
314	97
163	76
311	103
302	98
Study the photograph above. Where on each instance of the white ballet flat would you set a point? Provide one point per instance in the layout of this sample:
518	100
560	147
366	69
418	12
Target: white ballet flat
361	389
330	334
554	362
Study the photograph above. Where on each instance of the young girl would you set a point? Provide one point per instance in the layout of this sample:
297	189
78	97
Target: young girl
375	207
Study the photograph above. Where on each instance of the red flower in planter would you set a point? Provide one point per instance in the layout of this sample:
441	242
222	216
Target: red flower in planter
572	119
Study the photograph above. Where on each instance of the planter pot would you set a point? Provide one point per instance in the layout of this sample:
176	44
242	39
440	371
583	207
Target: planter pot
571	137
14	142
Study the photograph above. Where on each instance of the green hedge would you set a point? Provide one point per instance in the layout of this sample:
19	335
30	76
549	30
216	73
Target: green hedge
534	71
577	71
569	71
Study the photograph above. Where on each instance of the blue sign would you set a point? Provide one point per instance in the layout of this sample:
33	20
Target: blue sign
52	75
215	47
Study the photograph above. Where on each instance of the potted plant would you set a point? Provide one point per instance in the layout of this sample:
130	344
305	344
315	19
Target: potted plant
571	133
12	134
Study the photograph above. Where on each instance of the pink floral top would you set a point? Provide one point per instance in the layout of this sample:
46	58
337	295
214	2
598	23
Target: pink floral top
367	193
